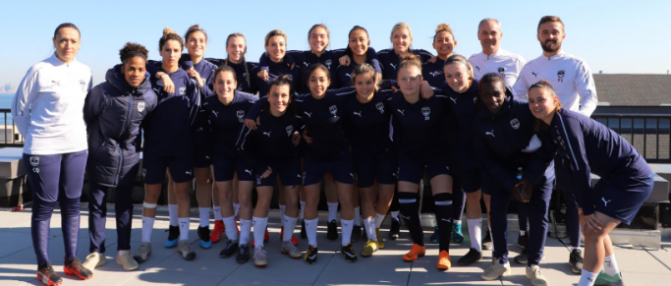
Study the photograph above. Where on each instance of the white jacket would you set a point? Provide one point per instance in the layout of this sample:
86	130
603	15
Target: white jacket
48	107
505	63
569	75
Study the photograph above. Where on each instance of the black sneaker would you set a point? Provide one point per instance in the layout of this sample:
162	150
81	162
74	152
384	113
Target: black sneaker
487	242
523	241
47	275
523	258
575	259
204	235
471	257
395	229
311	254
332	231
243	254
356	233
348	252
230	248
173	236
304	235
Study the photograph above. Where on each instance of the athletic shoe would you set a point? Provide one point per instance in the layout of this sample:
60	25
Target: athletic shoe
444	262
471	257
94	260
380	240
304	234
523	241
523	258
435	237
395	230
348	252
75	267
266	237
186	250
487	241
575	260
294	240
457	235
606	280
143	252
415	252
332	231
126	261
288	247
356	233
230	248
536	277
495	271
173	237
260	257
311	254
368	248
218	231
243	254
47	275
204	234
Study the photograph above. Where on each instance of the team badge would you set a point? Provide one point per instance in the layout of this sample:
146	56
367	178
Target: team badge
328	63
34	161
182	90
241	115
140	106
502	70
426	111
380	107
83	84
290	129
560	76
36	170
333	109
515	123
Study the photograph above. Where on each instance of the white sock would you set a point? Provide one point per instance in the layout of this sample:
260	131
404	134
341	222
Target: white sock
302	210
245	231
311	230
147	228
357	216
289	227
610	265
172	212
236	208
204	216
260	224
523	232
491	237
379	218
217	213
231	230
587	278
333	211
183	228
394	214
475	232
346	226
282	209
369	225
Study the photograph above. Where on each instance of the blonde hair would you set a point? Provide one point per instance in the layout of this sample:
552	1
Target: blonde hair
276	32
401	25
443	28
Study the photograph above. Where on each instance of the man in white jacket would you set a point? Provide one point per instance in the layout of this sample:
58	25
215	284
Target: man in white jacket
493	58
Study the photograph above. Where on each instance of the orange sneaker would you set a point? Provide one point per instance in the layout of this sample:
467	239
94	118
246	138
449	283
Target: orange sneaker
415	252
294	240
444	262
218	231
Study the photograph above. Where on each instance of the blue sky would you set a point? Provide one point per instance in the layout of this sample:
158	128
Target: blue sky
612	36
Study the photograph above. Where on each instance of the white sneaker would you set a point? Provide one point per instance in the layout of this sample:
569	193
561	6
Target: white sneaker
94	260
290	249
537	279
143	252
260	257
126	261
495	271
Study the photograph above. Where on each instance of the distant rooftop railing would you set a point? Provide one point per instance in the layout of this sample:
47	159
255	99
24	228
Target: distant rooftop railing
9	134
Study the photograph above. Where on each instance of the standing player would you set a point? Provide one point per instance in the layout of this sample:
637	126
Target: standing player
572	79
48	111
358	49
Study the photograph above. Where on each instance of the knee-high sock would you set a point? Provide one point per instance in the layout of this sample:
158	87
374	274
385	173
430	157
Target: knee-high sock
245	231
289	227
260	224
379	218
410	213
302	210
217	213
311	231
236	208
147	228
184	228
172	214
204	217
282	209
444	211
369	225
475	232
231	229
333	211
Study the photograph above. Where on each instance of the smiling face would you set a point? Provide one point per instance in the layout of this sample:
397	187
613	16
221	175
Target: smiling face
318	82
444	44
236	48
279	98
225	84
67	44
490	36
457	77
196	44
134	70
401	40
171	52
493	94
409	80
318	40
551	35
276	48
358	42
365	84
542	103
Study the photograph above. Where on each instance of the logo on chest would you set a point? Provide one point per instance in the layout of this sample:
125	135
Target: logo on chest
393	66
515	123
502	70
182	90
333	110
83	85
380	107
560	76
289	129
241	115
328	63
426	111
140	106
435	73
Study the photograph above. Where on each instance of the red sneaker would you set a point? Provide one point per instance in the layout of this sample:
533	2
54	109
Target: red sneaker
48	276
218	231
75	267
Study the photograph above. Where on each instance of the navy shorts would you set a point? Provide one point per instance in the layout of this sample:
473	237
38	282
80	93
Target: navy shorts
288	170
369	168
225	167
202	150
412	169
154	165
340	168
621	196
469	175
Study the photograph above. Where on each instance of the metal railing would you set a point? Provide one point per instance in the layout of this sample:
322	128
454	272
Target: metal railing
9	136
650	134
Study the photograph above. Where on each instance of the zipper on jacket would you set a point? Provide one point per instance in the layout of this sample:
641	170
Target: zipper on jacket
123	129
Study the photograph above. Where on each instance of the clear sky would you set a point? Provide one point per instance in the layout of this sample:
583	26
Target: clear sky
612	36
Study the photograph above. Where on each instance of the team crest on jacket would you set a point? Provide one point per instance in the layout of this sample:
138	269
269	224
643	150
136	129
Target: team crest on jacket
140	106
515	123
83	84
34	161
333	109
502	70
560	76
435	73
380	107
426	111
241	115
328	63
182	90
290	129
